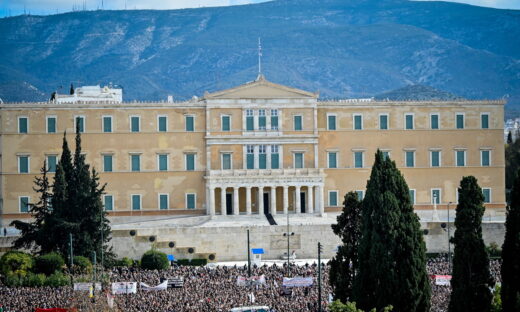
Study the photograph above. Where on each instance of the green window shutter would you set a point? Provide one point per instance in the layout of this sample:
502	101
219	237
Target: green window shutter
333	198
435	158
484	121
298	160
275	161
136	163
108	203
136	202
409	122
358	159
250	161
460	121
225	123
51	125
485	158
162	123
383	122
360	195
386	155
163	202
332	160
24	164
22	125
24	204
436	196
410	161
261	122
190	162
460	158
163	162
190	126
107	124
357	122
274	122
262	161
134	124
107	163
411	193
226	161
298	123
250	123
81	124
51	163
190	201
487	195
331	120
434	121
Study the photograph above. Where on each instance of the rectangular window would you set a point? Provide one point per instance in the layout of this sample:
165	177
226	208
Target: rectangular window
358	159
107	163
434	121
484	121
298	160
136	202
274	119
52	161
459	121
484	158
135	123
435	158
226	161
487	195
358	122
226	122
108	202
250	120
411	193
261	119
436	196
23	124
275	157
333	198
460	158
136	162
298	123
383	122
386	154
190	162
191	201
107	124
332	160
51	124
79	122
23	164
360	195
24	203
262	157
410	159
409	121
162	160
190	123
162	123
164	203
331	122
250	157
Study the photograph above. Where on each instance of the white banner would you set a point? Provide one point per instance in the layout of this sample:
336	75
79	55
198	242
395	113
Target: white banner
161	286
253	280
442	280
297	282
124	288
86	286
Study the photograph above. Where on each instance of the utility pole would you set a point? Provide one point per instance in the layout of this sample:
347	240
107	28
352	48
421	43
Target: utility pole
102	229
288	234
71	259
248	256
319	276
94	262
449	243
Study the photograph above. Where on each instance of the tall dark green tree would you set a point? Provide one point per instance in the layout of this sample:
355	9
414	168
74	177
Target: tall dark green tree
471	281
344	265
510	290
509	138
392	252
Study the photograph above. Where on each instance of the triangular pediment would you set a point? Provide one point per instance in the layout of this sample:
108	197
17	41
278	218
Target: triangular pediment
260	89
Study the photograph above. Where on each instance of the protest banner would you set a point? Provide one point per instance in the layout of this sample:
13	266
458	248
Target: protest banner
297	281
124	288
161	286
251	281
86	286
442	280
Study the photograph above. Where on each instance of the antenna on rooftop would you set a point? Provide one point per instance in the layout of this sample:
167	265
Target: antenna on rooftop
259	57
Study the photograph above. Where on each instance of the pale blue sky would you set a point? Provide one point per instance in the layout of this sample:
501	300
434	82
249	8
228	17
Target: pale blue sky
16	7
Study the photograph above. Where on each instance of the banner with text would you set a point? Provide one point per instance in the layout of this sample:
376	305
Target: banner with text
161	286
253	280
297	282
86	286
124	288
442	280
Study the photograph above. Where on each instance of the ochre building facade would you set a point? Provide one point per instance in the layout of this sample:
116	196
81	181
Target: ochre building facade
257	148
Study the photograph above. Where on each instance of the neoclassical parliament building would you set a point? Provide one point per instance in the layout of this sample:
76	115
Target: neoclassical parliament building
256	148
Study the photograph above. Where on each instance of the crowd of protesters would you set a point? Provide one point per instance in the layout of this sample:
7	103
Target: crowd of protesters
210	289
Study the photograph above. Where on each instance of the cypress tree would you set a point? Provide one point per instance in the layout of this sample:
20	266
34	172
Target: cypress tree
509	138
344	265
71	91
510	270
392	252
471	281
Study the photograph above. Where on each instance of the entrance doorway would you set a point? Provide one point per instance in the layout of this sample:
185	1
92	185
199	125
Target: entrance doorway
229	203
303	201
266	203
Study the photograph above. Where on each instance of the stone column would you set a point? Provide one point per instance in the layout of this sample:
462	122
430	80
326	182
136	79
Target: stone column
310	199
236	203
223	201
285	199
298	200
322	200
260	200
211	201
273	200
248	200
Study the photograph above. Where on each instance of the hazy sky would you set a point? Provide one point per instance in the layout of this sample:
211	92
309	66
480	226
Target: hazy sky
15	7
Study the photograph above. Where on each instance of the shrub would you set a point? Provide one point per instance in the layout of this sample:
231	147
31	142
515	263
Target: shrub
16	262
57	279
192	262
34	280
49	263
12	280
494	250
82	264
125	262
154	260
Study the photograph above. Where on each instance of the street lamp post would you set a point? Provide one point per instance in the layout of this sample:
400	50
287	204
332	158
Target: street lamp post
449	243
288	234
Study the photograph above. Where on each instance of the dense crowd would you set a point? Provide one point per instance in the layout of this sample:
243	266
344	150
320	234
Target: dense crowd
210	289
